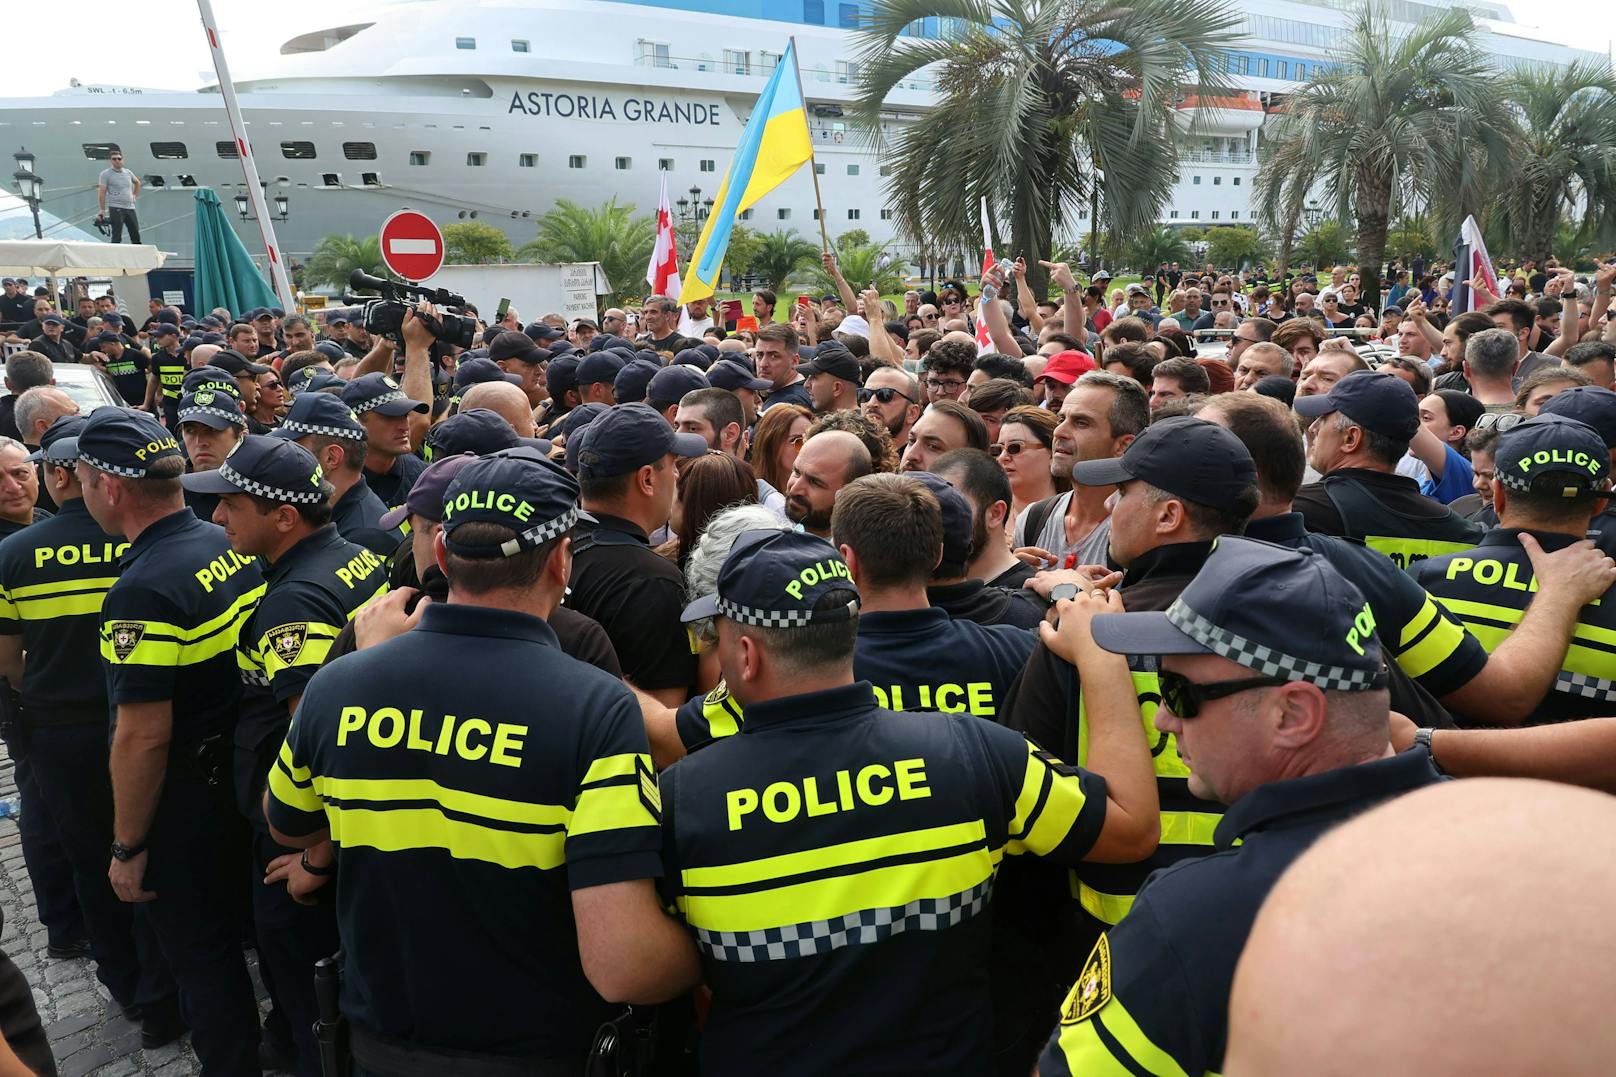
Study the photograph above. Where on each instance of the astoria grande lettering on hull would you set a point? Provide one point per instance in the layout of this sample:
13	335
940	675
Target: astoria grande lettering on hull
593	107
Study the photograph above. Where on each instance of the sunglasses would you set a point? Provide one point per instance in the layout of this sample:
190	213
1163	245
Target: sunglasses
1184	697
1014	448
1503	420
796	440
883	395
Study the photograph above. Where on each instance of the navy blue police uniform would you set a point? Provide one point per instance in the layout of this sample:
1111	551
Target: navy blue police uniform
218	410
357	513
380	393
1597	407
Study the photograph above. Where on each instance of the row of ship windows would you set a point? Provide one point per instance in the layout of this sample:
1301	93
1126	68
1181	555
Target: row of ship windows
1217	181
1195	215
366	151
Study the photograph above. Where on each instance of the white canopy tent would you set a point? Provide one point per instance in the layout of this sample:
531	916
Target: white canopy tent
57	258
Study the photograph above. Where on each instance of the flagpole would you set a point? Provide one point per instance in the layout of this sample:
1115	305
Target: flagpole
813	162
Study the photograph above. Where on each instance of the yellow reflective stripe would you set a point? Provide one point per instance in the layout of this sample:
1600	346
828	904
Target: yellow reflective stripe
290	784
826	899
618	792
1085	1052
1595	634
37	590
381	590
498	809
1461	607
188	646
1406	550
317	641
1599	664
48	601
1107	908
1444	638
722	717
1189	827
1042	820
8	608
785	865
394	830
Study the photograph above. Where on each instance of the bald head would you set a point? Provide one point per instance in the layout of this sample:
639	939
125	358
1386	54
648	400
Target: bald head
39	407
502	398
1508	973
202	353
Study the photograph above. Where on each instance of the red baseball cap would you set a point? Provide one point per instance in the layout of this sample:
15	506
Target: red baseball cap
1067	366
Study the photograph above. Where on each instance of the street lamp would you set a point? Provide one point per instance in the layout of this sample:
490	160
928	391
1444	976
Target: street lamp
241	206
281	205
30	185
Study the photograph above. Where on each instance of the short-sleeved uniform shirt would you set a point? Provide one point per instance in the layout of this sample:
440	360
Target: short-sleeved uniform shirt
169	625
128	372
637	596
1489	588
310	593
836	861
358	514
170	369
486	799
394	487
54	577
913	660
1153	997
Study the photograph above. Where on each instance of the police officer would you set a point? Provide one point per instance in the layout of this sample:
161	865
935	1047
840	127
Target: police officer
166	372
210	427
327	427
518	813
52	582
274	504
1551	480
168	633
1271	682
1361	430
837	862
1595	406
388	416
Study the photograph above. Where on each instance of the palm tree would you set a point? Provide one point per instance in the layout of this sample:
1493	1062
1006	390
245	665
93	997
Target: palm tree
863	265
1157	246
609	234
336	257
1232	245
1565	152
1040	103
780	255
1394	109
475	243
1326	244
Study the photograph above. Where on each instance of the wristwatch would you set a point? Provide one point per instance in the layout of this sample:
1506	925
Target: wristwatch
122	852
1062	591
1422	739
313	869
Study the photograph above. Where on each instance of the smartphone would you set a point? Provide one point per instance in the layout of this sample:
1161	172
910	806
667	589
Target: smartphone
499	312
802	301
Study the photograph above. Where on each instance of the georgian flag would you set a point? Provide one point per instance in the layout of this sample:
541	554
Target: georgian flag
663	272
984	339
1480	262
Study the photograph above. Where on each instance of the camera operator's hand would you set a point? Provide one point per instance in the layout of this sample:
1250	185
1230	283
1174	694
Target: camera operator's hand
418	327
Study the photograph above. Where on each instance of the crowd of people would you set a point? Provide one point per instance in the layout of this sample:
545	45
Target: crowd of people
936	685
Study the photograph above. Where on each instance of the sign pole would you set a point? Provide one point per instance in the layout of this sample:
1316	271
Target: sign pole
249	169
813	164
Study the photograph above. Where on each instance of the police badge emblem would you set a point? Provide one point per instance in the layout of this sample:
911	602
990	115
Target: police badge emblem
125	636
287	641
1093	987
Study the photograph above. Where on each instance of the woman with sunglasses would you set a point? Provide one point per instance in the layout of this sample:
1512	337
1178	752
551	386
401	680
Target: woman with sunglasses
776	440
1334	316
1023	449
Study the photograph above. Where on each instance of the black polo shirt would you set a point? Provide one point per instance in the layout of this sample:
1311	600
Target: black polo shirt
128	373
57	351
310	594
836	861
53	580
393	487
486	799
1386	512
795	393
637	596
1014	577
1154	995
357	515
169	625
986	604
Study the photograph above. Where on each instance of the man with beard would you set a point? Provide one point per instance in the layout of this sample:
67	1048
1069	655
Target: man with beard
828	461
892	398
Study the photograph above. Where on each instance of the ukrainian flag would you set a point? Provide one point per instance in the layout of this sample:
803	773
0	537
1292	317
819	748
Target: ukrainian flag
774	145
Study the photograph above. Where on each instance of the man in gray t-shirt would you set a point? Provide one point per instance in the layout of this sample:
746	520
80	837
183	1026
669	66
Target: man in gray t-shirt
118	189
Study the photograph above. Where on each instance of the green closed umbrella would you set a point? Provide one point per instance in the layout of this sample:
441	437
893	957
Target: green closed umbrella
225	274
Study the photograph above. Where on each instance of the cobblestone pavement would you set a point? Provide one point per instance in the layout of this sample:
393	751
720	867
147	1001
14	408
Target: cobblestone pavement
88	1034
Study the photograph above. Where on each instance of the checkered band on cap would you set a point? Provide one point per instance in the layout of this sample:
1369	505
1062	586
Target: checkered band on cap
534	537
1574	484
855	929
376	402
253	486
112	469
301	429
1267	660
746	615
234	416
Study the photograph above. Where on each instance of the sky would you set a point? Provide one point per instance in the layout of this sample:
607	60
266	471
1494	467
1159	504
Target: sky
160	43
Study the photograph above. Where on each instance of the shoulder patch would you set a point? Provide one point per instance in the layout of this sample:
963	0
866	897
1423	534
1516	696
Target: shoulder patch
288	640
718	694
650	792
1093	987
126	636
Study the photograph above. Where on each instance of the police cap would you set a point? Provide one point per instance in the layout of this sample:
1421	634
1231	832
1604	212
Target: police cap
59	444
106	338
426	496
1553	445
211	408
513	345
633	380
478	431
671	383
165	329
957	528
628	437
1588	404
124	443
470	372
542	332
236	363
331	350
693	357
773	579
1376	400
728	374
1277	611
561	375
322	414
599	367
275	469
833	358
379	393
1188	457
520	489
209	377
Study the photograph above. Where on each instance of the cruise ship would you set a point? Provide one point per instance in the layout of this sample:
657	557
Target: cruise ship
492	112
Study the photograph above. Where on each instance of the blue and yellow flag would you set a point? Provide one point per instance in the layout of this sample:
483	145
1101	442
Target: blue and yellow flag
774	145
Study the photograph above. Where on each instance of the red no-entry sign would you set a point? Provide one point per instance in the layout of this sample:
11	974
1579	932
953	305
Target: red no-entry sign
412	246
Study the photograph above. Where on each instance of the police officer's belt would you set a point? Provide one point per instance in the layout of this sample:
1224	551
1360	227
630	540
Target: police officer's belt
390	1058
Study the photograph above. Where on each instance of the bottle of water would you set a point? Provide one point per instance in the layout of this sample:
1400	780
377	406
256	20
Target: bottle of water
10	809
